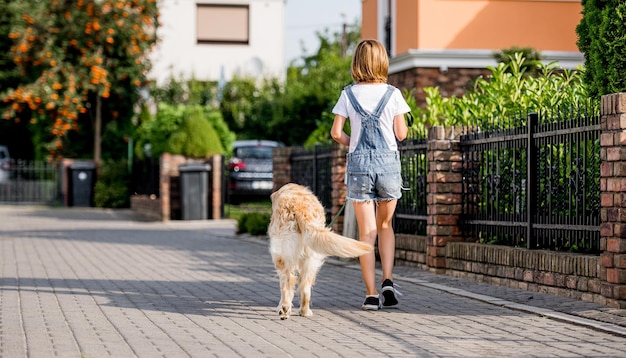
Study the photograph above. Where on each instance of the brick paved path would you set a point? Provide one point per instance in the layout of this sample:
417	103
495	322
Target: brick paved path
98	283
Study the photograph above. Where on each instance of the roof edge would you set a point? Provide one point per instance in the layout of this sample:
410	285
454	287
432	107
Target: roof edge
445	59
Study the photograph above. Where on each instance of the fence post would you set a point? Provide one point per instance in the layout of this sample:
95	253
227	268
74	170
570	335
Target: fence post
165	165
281	166
444	199
531	177
613	199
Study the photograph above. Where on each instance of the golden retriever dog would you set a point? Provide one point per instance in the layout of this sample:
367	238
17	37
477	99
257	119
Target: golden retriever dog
299	243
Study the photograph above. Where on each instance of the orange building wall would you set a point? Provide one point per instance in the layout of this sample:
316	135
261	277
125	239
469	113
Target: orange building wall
407	15
479	24
369	20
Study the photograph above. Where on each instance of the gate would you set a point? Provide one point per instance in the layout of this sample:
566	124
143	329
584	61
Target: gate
32	182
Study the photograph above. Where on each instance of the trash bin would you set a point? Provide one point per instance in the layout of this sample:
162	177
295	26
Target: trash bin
194	191
81	184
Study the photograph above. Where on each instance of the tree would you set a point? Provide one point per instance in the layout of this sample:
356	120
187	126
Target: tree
9	74
15	132
80	59
312	88
601	34
292	110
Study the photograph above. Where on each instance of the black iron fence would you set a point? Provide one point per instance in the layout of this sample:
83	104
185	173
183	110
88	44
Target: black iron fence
146	177
410	216
535	184
313	168
31	182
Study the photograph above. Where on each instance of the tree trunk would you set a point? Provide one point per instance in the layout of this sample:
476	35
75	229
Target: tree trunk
97	157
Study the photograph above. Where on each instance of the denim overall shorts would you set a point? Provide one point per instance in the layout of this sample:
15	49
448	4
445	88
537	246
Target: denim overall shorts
373	170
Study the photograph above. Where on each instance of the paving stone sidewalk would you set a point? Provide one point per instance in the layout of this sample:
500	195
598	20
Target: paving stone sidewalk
101	283
540	301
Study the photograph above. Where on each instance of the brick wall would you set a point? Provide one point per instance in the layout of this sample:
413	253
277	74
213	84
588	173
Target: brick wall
453	82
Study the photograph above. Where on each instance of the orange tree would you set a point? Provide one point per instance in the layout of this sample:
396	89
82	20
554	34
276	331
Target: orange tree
82	63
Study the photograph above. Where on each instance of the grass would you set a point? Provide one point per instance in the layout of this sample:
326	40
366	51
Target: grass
237	211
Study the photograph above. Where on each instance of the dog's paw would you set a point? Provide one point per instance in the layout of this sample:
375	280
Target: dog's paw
306	312
284	311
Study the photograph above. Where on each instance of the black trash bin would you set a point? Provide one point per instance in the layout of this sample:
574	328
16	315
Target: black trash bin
82	180
194	191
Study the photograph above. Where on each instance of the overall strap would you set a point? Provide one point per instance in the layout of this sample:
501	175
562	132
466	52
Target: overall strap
355	103
383	102
379	108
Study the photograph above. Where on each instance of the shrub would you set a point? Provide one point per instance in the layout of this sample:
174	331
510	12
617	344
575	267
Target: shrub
506	93
193	131
112	185
196	137
601	33
253	223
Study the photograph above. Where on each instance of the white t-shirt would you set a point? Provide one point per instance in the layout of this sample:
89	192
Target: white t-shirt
368	96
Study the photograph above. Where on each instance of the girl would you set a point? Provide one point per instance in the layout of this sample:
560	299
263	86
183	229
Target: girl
376	112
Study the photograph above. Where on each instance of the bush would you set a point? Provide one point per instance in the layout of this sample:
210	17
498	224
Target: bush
112	185
196	137
508	92
253	223
193	131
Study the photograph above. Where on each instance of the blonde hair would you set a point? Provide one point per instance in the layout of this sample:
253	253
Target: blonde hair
370	62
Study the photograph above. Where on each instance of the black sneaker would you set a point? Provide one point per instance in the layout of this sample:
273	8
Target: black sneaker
372	303
389	293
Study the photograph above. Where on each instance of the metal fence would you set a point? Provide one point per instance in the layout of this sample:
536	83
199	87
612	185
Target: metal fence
313	168
410	215
32	182
535	184
146	177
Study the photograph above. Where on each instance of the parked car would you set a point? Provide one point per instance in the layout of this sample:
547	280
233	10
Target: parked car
5	164
250	169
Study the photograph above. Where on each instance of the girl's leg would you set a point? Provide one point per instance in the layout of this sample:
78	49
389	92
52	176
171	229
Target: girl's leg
366	220
386	236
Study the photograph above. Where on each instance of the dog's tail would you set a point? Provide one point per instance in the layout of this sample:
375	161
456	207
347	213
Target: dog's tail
324	241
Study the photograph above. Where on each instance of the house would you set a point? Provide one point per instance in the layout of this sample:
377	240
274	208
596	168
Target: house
449	43
219	39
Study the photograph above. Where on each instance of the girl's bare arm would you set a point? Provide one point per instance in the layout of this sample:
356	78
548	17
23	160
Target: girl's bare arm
337	133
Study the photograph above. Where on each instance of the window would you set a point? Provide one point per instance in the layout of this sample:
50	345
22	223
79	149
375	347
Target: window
223	24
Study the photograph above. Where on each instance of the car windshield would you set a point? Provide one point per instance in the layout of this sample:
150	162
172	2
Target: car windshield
254	152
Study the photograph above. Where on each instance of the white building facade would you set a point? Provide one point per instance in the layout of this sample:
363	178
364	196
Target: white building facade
219	39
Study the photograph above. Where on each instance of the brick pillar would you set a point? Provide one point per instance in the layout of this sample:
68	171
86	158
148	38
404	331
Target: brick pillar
165	165
281	161
444	194
169	164
613	199
338	187
217	202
